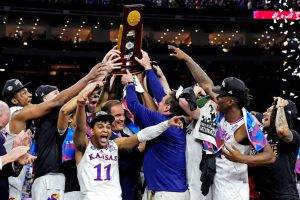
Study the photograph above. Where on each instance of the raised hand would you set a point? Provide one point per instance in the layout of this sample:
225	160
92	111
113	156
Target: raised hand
159	73
178	53
144	61
127	78
280	102
176	121
113	53
95	72
88	91
112	64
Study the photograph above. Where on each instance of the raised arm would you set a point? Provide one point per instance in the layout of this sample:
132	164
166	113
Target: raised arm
197	72
152	80
80	139
148	133
281	124
35	111
63	116
145	96
143	115
162	78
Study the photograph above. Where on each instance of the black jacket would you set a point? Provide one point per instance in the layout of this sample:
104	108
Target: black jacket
6	172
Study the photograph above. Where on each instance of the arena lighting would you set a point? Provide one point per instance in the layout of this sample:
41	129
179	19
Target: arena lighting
285	15
225	50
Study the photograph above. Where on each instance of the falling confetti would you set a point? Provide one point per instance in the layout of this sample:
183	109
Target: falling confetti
290	45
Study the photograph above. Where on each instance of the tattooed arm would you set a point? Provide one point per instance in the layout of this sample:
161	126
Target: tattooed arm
282	128
197	72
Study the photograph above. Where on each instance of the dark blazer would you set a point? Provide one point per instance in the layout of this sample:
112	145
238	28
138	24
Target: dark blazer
6	172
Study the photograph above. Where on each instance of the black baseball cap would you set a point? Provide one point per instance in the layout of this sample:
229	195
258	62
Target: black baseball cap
11	87
101	116
42	91
231	86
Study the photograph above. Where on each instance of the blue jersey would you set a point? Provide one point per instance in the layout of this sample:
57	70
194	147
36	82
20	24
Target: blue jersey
68	148
164	158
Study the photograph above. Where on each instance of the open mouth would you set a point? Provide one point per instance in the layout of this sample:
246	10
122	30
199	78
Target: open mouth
93	103
103	139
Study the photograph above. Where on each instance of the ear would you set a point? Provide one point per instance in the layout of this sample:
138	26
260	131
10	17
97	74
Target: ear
167	108
92	132
231	102
14	101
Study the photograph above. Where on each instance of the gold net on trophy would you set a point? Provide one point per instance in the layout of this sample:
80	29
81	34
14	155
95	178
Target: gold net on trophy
130	39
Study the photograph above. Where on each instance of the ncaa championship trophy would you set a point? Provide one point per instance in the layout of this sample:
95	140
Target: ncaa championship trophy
130	39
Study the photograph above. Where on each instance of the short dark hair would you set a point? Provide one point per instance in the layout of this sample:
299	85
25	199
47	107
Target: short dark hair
14	96
174	104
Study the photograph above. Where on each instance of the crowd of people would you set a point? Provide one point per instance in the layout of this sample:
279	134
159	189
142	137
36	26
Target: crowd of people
130	136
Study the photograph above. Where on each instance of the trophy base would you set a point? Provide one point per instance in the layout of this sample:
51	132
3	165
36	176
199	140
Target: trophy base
132	66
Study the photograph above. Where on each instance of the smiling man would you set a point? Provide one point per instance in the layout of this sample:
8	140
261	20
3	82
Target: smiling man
97	159
129	159
278	181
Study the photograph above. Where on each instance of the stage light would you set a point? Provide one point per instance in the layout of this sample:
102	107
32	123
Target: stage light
225	50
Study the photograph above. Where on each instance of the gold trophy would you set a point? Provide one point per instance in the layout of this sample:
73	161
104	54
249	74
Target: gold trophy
130	38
